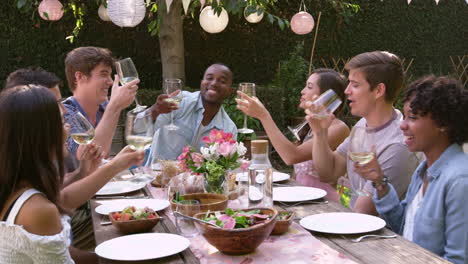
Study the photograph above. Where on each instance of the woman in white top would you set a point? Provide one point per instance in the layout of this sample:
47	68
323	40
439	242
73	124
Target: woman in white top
34	226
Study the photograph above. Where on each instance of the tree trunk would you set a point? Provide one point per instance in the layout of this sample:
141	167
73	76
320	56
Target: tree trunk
171	41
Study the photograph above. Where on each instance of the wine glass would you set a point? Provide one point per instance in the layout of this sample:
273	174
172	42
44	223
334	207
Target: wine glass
329	100
170	87
248	89
81	130
127	72
360	151
186	227
139	135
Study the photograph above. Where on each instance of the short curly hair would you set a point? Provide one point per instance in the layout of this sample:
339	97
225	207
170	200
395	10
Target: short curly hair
445	99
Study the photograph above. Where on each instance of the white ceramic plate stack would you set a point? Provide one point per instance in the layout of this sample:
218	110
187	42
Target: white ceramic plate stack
297	194
342	223
142	246
118	205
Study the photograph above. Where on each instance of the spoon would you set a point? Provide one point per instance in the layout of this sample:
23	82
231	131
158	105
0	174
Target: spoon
195	219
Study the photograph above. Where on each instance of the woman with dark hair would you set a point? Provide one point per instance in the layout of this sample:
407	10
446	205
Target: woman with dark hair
34	227
301	155
434	212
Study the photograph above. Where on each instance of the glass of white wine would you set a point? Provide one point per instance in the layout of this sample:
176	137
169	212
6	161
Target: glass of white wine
127	72
81	130
170	87
360	151
139	135
248	89
329	100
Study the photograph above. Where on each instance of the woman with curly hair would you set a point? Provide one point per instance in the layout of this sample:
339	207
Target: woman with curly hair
434	212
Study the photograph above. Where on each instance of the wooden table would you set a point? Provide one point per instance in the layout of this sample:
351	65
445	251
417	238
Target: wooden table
369	251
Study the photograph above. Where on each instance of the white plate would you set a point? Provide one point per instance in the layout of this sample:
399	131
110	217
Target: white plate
142	246
297	194
119	187
342	223
119	205
277	176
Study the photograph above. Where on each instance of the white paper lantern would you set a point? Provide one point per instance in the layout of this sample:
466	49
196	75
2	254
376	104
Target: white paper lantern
53	9
253	17
302	23
211	22
102	12
126	13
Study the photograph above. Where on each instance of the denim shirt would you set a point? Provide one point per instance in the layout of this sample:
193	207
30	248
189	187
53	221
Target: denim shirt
441	223
169	144
73	107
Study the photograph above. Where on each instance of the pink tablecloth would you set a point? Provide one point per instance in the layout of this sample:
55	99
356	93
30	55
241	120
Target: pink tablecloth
296	246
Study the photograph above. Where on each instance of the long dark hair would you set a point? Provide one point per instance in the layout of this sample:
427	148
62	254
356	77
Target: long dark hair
32	149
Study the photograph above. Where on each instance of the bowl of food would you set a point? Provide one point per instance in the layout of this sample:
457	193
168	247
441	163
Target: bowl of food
132	220
238	231
207	201
284	220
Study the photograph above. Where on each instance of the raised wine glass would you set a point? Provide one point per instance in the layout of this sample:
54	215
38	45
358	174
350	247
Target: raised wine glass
81	130
248	89
360	150
170	87
329	100
139	135
127	72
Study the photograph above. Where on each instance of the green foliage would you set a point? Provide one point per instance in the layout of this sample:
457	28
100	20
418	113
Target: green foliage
345	196
291	76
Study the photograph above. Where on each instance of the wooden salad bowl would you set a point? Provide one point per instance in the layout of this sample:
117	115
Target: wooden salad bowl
282	225
238	241
208	201
134	226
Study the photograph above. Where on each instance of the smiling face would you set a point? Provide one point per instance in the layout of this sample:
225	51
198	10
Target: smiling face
310	90
97	84
361	99
216	84
421	132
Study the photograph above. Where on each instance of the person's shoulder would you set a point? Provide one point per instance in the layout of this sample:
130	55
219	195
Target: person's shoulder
39	216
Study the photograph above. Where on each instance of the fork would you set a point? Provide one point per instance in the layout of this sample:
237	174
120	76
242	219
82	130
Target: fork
357	240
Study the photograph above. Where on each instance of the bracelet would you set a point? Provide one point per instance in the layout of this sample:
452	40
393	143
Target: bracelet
382	183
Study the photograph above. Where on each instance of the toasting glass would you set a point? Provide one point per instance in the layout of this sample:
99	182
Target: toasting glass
127	72
360	150
81	130
248	89
170	87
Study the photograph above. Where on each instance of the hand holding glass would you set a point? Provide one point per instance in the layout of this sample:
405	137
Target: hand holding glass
127	73
329	100
360	151
170	87
248	89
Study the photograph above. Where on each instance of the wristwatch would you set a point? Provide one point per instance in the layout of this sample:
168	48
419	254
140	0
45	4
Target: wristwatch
381	184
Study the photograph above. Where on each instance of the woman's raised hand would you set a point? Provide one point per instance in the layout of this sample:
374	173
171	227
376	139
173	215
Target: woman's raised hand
90	156
316	120
251	106
127	157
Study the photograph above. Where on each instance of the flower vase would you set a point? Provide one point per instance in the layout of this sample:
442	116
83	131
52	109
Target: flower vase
215	183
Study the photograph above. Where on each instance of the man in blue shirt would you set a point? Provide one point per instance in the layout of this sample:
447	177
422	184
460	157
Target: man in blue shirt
88	71
197	114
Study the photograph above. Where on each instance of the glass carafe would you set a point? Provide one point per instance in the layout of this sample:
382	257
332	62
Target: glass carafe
260	175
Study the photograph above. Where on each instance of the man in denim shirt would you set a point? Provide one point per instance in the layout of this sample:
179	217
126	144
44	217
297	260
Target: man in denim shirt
196	115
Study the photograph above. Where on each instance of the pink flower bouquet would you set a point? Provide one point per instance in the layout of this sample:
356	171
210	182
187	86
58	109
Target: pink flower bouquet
221	153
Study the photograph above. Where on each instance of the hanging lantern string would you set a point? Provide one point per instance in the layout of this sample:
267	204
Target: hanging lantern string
313	45
302	5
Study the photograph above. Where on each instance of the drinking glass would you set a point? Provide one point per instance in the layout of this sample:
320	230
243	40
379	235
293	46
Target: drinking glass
186	227
360	150
329	100
127	72
81	130
139	136
170	87
248	89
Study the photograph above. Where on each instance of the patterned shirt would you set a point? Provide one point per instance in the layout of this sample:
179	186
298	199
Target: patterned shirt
73	107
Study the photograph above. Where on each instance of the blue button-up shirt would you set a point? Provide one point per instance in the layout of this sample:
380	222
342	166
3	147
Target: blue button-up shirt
73	107
169	144
441	223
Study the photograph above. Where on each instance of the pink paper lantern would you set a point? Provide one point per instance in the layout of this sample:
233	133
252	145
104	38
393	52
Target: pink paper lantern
53	8
302	23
